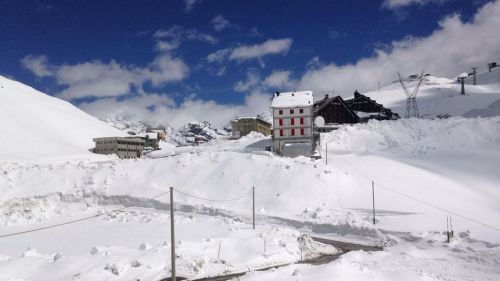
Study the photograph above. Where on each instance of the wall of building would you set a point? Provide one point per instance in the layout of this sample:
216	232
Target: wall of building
125	148
285	132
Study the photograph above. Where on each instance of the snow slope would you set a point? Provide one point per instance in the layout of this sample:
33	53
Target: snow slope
423	170
439	96
35	125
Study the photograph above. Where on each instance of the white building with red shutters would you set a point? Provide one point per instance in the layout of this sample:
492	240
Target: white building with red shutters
292	123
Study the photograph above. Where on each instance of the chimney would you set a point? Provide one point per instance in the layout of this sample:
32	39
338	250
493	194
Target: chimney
326	96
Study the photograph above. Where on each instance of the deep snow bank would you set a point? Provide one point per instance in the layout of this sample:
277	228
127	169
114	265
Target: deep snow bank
34	124
417	136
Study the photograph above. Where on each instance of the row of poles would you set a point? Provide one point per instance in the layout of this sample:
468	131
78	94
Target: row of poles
449	226
172	229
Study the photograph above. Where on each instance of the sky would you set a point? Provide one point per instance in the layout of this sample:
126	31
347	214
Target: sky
173	61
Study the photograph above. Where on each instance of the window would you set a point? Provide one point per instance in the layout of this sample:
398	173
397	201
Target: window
292	121
281	122
292	132
301	131
281	112
301	110
301	120
281	132
291	111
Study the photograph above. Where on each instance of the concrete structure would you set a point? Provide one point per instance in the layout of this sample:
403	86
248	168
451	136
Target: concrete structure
162	133
242	126
123	147
293	123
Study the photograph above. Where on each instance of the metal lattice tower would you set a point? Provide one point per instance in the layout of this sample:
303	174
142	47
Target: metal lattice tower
411	96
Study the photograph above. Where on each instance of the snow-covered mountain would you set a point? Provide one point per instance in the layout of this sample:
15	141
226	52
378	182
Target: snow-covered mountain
440	96
33	124
202	130
130	127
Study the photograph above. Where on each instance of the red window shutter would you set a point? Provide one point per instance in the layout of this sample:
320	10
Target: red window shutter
281	132
301	131
301	120
281	122
292	121
293	132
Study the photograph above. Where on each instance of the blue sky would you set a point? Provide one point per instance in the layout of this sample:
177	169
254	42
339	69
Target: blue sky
159	59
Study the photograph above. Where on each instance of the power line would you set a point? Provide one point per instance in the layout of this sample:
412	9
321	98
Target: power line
212	200
73	221
420	200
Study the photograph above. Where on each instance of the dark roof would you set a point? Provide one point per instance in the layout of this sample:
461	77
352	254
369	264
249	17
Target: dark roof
319	105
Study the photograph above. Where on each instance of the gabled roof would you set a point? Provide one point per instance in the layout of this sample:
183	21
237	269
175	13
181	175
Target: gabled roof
319	105
292	99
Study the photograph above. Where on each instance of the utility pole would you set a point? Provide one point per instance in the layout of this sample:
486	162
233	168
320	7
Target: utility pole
253	207
474	72
373	200
326	154
172	233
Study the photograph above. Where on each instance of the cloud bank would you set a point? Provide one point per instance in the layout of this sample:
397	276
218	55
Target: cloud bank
453	48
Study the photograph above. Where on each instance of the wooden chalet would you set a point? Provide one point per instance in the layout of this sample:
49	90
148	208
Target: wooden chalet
361	108
335	111
366	108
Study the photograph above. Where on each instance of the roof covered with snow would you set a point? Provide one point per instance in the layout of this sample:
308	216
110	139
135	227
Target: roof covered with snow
292	99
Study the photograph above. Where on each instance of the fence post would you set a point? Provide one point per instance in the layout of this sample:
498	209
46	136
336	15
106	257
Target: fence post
172	233
373	200
253	207
326	153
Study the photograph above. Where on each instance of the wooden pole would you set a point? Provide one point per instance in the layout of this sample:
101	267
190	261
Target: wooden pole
326	154
253	207
172	233
373	200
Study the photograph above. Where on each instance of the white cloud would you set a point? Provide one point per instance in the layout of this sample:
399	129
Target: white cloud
277	80
218	56
251	83
163	110
99	79
189	5
166	46
398	4
270	47
179	33
248	52
220	23
280	80
165	69
38	65
453	48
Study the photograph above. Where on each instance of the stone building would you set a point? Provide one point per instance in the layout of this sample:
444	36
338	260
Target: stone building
242	126
123	147
293	124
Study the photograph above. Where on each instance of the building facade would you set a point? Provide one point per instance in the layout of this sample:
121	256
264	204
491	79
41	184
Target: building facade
242	126
123	147
293	123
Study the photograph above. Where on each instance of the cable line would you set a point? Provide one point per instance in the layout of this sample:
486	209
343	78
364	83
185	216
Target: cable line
212	200
420	200
73	221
